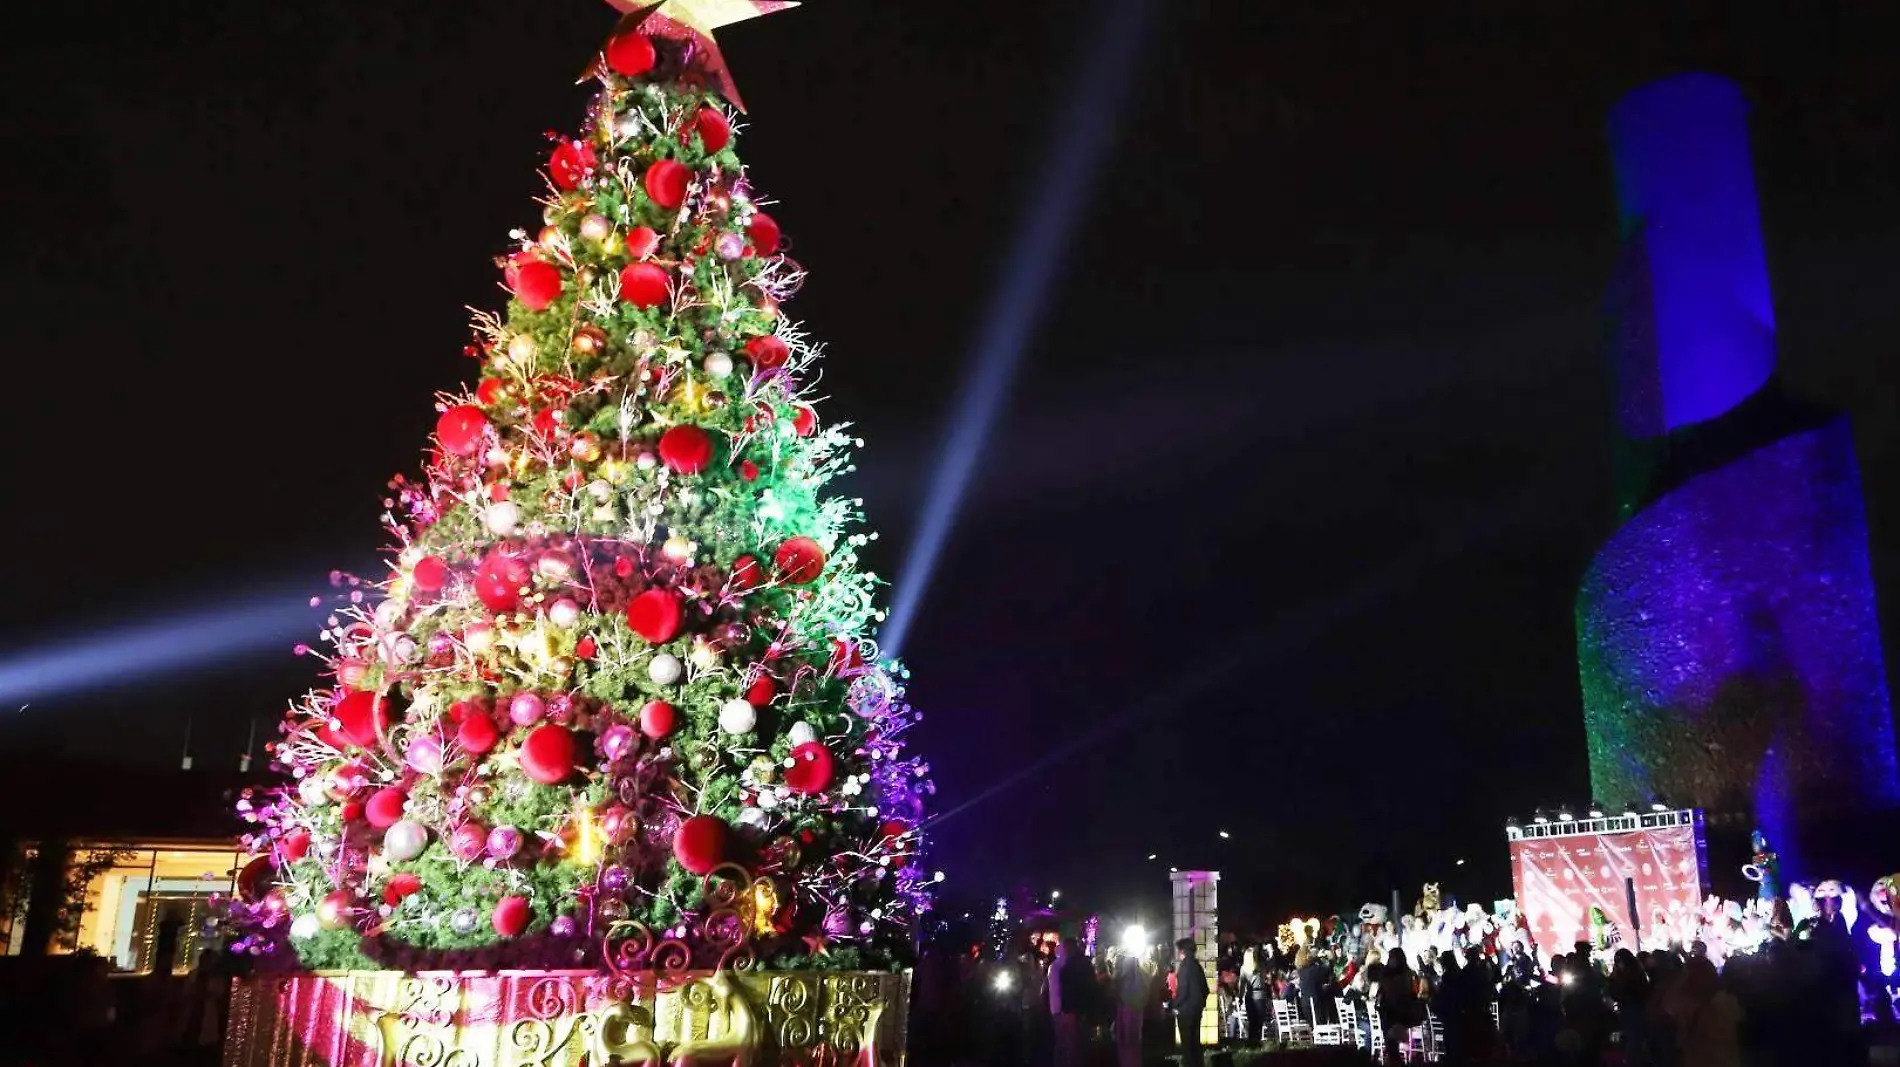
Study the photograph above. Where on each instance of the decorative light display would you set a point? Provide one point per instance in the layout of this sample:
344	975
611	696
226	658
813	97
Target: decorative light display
614	705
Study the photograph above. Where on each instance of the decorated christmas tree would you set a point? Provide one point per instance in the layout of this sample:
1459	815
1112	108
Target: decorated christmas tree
615	702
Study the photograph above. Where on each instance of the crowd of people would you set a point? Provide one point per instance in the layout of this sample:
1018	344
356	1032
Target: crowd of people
1048	1004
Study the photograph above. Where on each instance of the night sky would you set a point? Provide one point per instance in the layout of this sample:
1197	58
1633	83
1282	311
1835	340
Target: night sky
1280	531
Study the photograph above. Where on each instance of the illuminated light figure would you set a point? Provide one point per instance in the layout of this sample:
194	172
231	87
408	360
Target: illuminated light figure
1728	642
1197	916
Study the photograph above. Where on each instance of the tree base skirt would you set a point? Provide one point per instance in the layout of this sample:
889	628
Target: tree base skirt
568	1018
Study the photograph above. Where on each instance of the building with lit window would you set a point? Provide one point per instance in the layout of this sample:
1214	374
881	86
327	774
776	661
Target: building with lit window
118	853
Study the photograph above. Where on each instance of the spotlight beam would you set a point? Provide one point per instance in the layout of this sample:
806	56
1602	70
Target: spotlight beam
1014	306
149	649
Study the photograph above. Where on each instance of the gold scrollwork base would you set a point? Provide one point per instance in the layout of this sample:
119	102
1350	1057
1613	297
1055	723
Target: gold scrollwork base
568	1018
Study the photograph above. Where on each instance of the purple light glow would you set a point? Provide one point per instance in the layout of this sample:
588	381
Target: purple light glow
1729	644
1686	190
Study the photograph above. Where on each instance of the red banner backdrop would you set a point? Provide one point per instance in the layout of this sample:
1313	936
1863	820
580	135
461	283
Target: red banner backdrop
1558	880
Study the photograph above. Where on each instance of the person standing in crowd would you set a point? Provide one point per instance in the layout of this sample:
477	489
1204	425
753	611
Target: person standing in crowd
1070	979
1708	1018
1131	1001
1190	1001
1399	1006
1256	994
1314	979
1628	989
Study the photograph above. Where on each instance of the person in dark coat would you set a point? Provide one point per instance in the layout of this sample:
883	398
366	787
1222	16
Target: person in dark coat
1190	1001
1315	981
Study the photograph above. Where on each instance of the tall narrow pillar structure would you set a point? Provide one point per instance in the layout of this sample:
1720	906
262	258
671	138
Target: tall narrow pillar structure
1197	916
1728	640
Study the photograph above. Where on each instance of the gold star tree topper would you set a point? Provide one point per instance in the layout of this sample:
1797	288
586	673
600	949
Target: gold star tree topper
693	22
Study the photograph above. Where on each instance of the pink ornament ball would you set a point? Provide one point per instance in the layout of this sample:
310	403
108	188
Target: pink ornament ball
526	709
468	841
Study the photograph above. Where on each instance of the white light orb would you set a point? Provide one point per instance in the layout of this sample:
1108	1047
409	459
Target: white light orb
718	364
521	349
311	792
801	733
564	613
305	926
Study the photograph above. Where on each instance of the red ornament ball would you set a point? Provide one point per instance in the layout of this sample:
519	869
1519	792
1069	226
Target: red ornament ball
296	845
700	844
644	285
477	734
537	284
499	580
547	753
333	911
804	421
747	575
714	131
405	884
462	429
800	560
570	164
255	879
749	471
761	691
658	719
384	808
511	916
490	392
361	715
811	770
686	449
656	615
892	834
631	54
429	574
642	241
666	181
763	230
768	352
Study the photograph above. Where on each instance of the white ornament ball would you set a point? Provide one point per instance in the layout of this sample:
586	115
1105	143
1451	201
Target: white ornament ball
801	733
646	461
737	716
665	669
596	228
463	921
311	792
753	817
564	613
502	517
521	349
404	841
398	648
388	614
768	799
678	549
718	364
479	637
305	926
